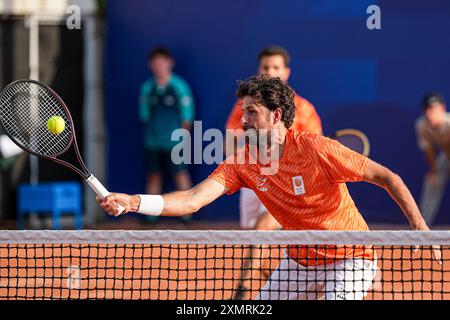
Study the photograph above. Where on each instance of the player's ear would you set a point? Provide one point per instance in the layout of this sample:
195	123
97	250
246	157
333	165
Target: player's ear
277	114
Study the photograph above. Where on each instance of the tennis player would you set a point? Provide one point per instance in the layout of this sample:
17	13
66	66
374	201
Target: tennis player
274	62
307	191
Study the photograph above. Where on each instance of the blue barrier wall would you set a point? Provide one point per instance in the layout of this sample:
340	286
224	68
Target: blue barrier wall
367	79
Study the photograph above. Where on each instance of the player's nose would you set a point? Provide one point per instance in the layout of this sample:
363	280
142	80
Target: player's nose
243	121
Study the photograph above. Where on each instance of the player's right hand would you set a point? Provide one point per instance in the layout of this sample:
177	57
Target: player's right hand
110	203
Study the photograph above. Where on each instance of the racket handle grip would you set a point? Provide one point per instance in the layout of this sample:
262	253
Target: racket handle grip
101	191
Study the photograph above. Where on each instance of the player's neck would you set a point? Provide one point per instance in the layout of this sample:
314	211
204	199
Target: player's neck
281	140
277	142
282	135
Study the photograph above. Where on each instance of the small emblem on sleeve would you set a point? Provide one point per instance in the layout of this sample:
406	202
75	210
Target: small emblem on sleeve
262	184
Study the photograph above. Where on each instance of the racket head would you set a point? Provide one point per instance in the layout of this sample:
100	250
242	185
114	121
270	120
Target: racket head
25	107
353	139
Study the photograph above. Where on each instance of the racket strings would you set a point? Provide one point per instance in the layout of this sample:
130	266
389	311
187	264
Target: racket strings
27	123
25	110
48	100
38	124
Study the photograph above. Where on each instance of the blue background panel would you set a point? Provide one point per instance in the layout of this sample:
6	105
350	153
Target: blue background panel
368	79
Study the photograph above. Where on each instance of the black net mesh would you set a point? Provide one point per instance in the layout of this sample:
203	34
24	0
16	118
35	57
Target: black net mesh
220	271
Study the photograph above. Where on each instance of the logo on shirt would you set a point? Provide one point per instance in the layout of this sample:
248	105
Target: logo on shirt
169	101
261	183
299	186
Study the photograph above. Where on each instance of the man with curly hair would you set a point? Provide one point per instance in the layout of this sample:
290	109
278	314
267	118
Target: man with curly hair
307	191
273	61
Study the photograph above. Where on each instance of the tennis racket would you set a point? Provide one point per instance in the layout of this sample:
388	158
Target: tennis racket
25	108
353	139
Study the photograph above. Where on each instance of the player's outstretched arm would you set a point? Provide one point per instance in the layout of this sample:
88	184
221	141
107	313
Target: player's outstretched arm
393	184
172	204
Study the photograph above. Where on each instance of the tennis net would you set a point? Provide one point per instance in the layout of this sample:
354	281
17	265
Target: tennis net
185	265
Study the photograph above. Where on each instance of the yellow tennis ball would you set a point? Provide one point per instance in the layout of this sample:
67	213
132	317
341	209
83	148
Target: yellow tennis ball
56	124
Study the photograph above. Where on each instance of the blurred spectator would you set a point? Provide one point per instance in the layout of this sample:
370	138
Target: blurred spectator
433	138
166	104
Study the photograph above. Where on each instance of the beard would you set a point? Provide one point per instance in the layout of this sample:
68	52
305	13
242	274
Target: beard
259	137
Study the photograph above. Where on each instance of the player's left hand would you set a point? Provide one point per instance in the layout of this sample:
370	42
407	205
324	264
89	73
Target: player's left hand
436	252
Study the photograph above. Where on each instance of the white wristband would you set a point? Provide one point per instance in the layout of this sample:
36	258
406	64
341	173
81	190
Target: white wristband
151	205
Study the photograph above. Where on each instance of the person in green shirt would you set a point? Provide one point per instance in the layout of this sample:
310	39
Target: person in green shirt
166	104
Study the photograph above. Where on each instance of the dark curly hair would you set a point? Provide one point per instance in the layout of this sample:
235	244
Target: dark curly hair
273	93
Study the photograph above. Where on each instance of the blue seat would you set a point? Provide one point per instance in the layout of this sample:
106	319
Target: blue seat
53	197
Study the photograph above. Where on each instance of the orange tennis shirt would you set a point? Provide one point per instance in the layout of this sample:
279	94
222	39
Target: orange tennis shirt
306	117
308	191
